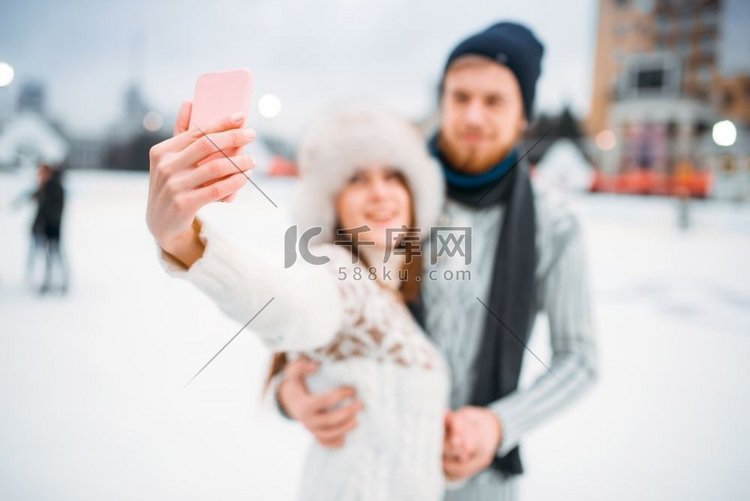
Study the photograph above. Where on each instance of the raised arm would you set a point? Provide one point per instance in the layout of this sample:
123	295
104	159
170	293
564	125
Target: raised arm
183	179
301	306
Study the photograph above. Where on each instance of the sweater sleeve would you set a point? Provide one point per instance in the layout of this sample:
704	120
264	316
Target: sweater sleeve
301	306
565	299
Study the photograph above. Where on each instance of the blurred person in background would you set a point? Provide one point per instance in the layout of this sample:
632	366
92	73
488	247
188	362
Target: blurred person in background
528	256
49	197
48	221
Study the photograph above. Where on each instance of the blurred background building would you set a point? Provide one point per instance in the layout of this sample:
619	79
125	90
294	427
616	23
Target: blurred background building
670	101
30	136
669	107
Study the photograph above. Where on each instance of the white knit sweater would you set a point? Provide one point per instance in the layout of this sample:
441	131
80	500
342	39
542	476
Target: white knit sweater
365	337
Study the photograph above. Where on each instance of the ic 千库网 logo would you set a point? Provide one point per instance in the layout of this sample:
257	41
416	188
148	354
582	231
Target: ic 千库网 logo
452	243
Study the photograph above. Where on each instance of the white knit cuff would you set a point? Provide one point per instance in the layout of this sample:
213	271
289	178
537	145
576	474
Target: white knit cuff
510	416
215	271
176	268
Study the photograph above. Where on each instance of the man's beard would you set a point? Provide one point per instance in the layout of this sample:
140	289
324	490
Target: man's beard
471	160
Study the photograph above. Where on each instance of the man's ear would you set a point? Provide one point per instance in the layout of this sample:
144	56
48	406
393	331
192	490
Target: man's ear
523	124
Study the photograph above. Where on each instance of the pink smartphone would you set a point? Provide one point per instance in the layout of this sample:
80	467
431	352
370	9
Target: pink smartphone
220	95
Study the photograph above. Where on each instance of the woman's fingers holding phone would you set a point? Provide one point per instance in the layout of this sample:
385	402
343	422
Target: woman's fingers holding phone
173	202
232	121
186	135
209	144
217	169
183	118
218	190
230	198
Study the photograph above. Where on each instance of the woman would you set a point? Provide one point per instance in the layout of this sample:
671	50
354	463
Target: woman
363	169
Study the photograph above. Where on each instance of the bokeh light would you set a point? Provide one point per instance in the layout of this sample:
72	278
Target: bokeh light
152	121
606	140
269	106
6	74
724	133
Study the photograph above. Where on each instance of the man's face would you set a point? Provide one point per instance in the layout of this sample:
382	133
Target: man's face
482	114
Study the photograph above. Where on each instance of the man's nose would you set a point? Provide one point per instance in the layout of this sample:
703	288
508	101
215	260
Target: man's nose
474	113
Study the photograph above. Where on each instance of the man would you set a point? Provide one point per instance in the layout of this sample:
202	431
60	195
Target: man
527	256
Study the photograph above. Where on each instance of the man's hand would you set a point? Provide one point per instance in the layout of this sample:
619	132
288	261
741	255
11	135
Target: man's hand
472	437
318	412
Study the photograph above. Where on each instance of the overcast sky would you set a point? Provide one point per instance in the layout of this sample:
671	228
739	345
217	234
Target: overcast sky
309	53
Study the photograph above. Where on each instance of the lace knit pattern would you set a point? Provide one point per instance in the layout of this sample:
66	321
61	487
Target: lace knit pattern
401	377
377	325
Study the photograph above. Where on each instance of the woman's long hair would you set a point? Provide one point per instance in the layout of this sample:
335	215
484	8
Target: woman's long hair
408	290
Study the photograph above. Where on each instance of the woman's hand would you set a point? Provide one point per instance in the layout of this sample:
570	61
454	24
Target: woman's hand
189	171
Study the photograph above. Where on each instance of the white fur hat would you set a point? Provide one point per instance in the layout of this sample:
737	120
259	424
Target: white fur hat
345	140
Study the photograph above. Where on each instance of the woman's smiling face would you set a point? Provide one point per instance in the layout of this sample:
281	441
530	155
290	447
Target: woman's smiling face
376	196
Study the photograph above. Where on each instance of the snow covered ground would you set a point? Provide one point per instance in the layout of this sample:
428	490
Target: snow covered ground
92	404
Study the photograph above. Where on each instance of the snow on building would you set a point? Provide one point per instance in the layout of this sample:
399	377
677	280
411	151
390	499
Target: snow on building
564	167
28	139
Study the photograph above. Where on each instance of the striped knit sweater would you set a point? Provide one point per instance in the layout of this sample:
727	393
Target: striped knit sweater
455	321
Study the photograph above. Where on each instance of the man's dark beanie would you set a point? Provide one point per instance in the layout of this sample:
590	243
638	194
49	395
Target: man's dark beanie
512	45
